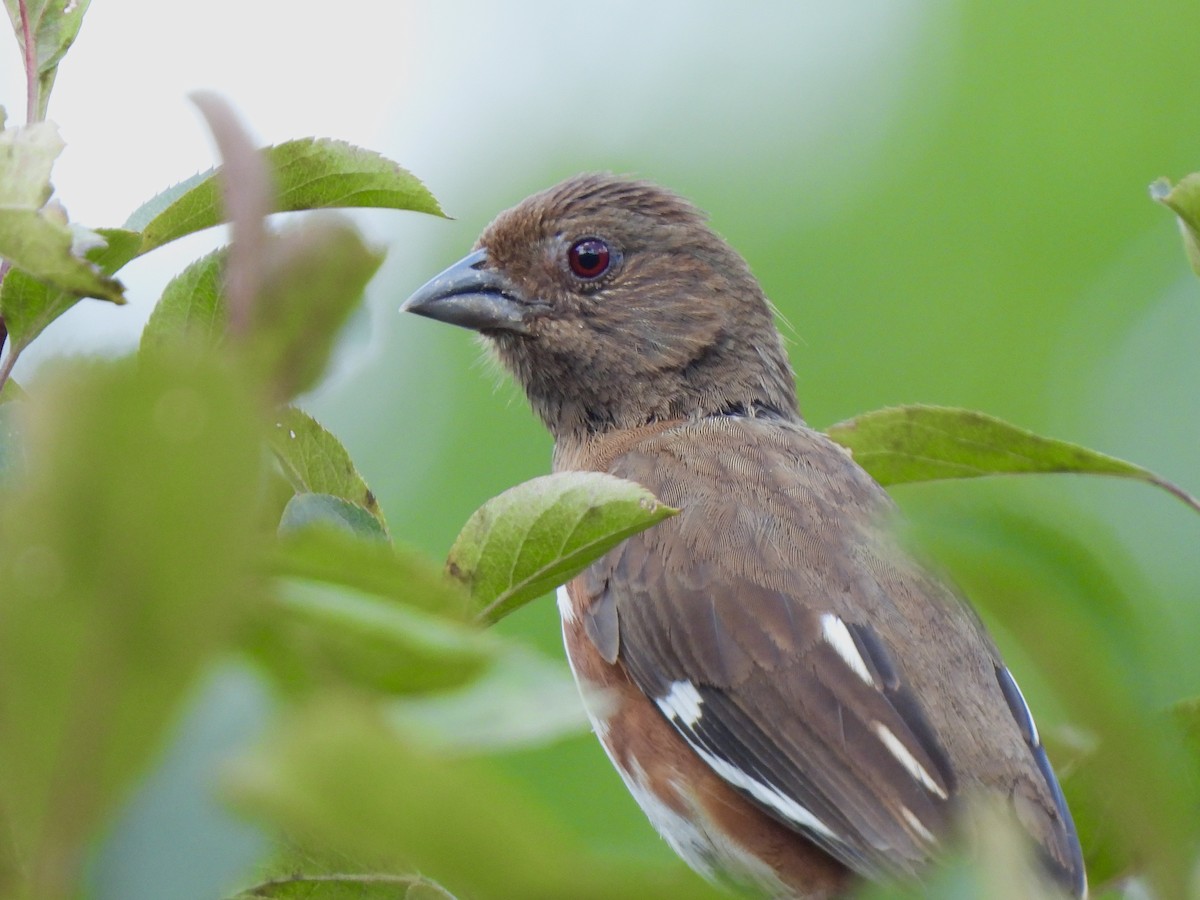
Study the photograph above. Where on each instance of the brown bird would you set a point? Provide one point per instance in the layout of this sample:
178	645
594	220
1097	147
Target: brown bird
798	703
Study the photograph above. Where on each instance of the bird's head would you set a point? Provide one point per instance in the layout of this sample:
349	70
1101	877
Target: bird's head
614	305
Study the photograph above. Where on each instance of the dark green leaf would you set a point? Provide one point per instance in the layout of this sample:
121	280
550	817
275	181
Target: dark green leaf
336	556
305	510
1184	200
313	276
124	555
310	173
191	306
925	443
54	26
315	461
318	634
539	534
35	236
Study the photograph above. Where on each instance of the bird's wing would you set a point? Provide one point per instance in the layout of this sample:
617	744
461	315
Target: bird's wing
763	627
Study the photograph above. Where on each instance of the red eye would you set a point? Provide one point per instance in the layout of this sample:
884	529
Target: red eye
589	258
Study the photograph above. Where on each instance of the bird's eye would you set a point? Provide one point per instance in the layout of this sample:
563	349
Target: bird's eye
589	258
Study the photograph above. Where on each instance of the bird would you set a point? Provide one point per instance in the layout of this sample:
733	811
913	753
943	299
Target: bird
796	702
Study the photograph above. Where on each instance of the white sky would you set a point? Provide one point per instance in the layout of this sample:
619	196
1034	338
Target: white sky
469	96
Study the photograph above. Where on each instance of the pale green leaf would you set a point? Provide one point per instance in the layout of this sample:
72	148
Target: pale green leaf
124	555
319	634
305	510
539	534
926	443
338	556
315	461
12	453
31	305
1183	199
35	235
339	778
521	701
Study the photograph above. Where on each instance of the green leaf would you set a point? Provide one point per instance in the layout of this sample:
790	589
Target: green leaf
317	634
124	555
313	276
348	887
305	510
54	26
522	700
192	306
925	443
315	461
336	556
119	247
11	391
310	173
338	778
12	455
35	235
31	305
1184	200
539	534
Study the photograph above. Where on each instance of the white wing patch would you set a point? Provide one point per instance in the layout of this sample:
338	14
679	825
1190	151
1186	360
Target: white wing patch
837	635
911	818
910	763
765	793
565	610
682	703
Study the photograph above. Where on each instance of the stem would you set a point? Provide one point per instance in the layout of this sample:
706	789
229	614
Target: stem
31	75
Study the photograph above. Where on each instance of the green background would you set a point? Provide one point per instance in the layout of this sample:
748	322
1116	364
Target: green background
993	246
946	202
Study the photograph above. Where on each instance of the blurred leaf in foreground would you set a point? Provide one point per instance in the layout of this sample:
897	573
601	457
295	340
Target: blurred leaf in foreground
314	635
336	555
336	777
124	555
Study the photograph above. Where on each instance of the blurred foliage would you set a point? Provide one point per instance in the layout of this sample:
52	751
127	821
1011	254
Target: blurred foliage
164	514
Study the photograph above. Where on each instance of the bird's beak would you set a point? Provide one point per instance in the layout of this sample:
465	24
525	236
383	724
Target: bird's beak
471	296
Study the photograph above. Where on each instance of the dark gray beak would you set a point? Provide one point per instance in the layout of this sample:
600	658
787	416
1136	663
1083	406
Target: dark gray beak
471	296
